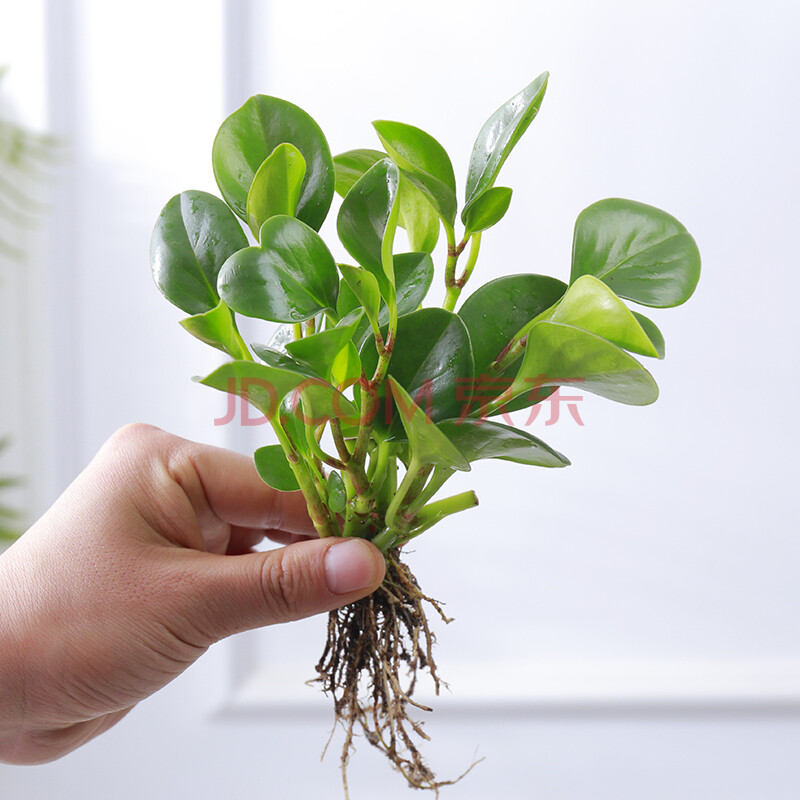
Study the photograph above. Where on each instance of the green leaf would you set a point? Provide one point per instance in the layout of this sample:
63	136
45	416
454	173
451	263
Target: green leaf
290	277
264	387
193	237
251	133
653	333
279	360
363	287
274	468
641	252
498	136
346	369
417	216
496	312
319	350
485	439
562	355
591	305
276	186
368	217
351	165
487	210
428	444
424	161
217	328
321	402
431	360
337	494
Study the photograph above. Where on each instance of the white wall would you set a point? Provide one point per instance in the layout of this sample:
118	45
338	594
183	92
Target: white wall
624	628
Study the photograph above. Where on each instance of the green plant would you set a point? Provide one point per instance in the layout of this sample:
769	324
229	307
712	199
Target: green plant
376	401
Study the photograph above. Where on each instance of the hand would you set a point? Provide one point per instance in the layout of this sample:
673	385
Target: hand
141	565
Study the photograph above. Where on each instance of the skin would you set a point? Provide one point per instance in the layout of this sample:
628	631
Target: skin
142	564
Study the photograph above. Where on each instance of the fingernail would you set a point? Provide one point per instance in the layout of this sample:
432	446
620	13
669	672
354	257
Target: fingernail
349	567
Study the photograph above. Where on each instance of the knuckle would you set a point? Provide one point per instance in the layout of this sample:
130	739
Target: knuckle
282	586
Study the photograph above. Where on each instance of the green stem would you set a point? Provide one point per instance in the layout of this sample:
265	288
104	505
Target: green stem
243	350
412	473
440	476
474	250
297	330
516	345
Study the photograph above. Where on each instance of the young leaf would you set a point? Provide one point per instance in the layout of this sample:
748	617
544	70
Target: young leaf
337	494
477	439
346	369
217	328
417	216
264	387
368	217
428	444
319	350
186	257
276	186
363	286
561	355
652	331
251	133
487	210
591	305
641	252
424	161
290	277
274	468
431	360
351	165
498	136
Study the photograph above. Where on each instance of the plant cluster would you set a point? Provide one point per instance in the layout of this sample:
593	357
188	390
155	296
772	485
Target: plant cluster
375	400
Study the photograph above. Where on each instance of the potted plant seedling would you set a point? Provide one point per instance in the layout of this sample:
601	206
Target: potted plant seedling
376	400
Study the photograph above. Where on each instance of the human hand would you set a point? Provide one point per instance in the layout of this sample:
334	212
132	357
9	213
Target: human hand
141	565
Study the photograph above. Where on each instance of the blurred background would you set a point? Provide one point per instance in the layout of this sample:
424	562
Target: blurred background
625	628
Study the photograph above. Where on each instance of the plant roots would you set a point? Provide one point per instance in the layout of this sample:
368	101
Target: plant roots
370	644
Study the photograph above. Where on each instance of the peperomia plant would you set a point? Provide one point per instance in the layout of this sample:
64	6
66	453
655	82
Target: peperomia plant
375	400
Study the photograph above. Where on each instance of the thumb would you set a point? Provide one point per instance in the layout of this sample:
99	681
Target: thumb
229	594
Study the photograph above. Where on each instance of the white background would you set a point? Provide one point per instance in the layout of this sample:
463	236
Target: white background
625	628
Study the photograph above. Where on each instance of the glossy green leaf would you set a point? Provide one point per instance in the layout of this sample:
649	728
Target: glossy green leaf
264	387
251	133
320	402
416	215
487	210
217	328
279	360
424	161
428	444
274	468
351	165
591	305
641	252
432	361
276	186
193	237
498	136
368	217
319	350
363	288
499	309
337	494
290	277
485	439
562	355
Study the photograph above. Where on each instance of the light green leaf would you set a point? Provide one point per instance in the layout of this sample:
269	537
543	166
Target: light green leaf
428	444
641	252
351	165
487	210
217	328
418	217
319	350
276	186
337	494
290	277
363	286
591	305
274	468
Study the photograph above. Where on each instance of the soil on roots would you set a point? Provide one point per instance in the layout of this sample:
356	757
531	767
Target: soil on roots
377	649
